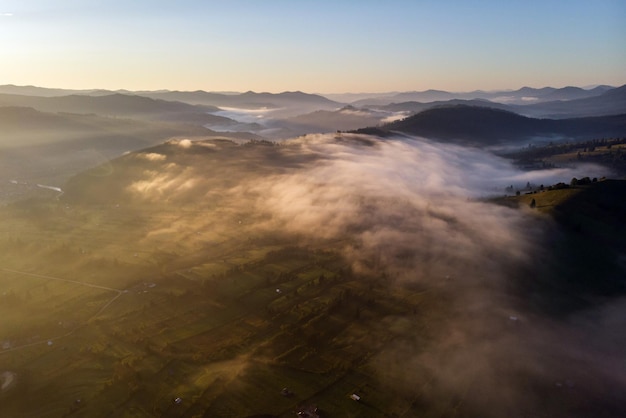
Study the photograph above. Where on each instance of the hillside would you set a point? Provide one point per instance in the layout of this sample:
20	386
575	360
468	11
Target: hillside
118	105
488	126
213	279
24	121
322	121
415	107
24	126
48	148
605	152
592	230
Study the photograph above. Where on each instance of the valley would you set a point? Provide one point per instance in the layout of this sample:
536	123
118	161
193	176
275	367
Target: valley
312	209
153	266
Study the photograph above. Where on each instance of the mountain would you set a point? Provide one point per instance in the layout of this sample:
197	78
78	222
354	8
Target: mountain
41	147
413	96
547	94
118	105
487	126
522	96
23	126
568	93
320	121
43	91
415	107
466	123
354	97
25	121
424	96
607	102
248	99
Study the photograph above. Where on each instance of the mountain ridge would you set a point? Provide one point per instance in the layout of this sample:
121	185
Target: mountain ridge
489	126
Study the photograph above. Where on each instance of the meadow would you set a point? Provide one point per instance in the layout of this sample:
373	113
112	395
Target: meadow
157	287
221	321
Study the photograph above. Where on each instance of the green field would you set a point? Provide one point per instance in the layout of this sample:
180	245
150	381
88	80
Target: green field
224	328
160	290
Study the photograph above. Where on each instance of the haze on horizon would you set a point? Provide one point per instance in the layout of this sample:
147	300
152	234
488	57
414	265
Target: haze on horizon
314	46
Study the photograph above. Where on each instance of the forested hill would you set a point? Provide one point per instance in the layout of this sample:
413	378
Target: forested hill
487	126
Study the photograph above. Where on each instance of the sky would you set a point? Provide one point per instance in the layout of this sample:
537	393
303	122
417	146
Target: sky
321	46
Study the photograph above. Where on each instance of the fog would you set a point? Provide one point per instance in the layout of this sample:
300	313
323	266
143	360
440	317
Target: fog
408	208
415	211
246	115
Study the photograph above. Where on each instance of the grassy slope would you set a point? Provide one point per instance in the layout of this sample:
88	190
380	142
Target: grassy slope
214	332
48	148
591	237
199	316
483	126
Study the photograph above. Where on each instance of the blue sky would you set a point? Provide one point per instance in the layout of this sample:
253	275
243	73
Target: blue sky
314	46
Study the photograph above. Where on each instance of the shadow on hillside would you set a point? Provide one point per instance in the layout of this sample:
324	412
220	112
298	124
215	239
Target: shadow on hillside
584	259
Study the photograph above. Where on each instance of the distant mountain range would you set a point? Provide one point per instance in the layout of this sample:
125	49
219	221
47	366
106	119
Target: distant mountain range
118	105
610	102
525	95
44	91
287	114
488	126
249	100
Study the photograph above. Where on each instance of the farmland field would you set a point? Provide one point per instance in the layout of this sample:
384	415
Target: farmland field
96	322
224	280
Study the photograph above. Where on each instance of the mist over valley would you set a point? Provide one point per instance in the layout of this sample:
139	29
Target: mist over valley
171	253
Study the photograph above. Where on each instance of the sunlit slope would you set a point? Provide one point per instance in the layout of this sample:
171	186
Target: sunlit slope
205	304
47	148
220	274
596	210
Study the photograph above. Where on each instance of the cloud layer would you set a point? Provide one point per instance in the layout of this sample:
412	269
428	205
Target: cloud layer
414	211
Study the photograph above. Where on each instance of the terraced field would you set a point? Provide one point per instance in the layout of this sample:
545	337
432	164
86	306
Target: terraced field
203	282
96	322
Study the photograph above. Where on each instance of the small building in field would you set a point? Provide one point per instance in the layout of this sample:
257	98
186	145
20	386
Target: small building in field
310	411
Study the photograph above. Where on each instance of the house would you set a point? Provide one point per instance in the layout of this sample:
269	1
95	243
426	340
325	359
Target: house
310	411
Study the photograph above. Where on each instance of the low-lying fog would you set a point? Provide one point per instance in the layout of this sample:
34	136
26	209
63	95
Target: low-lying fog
282	123
412	209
